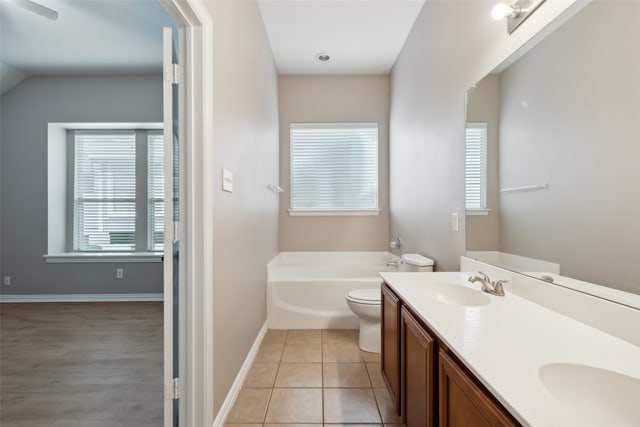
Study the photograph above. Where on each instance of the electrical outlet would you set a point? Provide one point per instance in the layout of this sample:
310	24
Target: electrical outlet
119	273
7	280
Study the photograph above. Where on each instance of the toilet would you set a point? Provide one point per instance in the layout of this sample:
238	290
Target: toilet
366	303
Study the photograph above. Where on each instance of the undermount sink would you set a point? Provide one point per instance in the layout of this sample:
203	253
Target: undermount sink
600	396
454	294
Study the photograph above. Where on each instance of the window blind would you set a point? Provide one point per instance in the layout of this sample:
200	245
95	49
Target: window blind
104	190
155	191
476	166
334	167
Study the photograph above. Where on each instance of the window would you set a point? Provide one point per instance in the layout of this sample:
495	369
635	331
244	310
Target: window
118	190
476	166
334	168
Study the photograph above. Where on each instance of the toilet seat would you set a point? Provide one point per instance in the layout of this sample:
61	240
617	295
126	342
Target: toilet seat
365	296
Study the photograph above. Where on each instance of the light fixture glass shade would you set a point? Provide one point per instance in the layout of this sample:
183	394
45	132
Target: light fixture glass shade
501	11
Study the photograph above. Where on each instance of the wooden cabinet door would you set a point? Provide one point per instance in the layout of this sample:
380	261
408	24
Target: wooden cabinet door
463	402
418	373
391	344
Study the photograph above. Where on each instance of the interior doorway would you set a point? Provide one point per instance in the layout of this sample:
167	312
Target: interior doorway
86	26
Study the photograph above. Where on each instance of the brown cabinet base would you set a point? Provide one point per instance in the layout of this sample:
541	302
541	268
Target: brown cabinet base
428	385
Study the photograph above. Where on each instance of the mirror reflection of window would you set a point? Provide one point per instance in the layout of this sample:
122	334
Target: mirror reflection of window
476	166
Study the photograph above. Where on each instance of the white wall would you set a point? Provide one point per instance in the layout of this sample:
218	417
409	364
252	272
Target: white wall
245	222
26	110
452	45
328	99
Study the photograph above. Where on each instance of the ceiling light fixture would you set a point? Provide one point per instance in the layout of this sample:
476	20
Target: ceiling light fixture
323	57
515	13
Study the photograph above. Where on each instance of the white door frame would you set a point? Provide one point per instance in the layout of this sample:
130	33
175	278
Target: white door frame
196	248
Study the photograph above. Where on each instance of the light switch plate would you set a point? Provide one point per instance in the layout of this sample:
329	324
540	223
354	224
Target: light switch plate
454	221
227	181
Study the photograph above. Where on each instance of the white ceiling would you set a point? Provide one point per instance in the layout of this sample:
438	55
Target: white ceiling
361	36
89	37
124	36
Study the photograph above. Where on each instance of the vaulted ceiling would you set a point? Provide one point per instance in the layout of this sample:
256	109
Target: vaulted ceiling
89	37
125	37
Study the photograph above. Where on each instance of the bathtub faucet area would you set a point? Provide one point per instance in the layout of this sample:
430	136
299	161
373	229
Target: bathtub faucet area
394	264
396	244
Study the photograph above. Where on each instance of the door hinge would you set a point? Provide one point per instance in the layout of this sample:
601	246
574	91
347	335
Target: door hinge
176	231
172	74
175	74
173	389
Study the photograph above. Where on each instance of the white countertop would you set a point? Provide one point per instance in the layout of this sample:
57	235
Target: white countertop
505	342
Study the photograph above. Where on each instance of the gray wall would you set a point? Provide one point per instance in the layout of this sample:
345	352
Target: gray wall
428	83
452	45
569	117
26	110
245	222
330	99
483	105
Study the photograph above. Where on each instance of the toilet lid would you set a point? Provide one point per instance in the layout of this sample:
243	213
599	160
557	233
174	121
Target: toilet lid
364	296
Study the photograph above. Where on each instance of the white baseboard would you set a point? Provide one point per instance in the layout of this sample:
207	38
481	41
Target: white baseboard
81	298
242	375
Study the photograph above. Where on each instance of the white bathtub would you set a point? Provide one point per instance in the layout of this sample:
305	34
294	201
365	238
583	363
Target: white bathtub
306	290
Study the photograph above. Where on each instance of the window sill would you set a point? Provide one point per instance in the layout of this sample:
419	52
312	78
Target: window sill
370	212
89	257
478	211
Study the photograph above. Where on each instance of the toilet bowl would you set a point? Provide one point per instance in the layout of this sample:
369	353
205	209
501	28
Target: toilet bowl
366	304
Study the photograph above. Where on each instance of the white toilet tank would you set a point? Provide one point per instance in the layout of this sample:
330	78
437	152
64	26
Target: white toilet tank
416	262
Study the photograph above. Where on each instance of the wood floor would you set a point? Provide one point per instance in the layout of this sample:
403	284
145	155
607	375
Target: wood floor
81	364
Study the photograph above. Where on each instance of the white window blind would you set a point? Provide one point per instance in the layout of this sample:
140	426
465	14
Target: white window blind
155	191
334	167
476	166
104	191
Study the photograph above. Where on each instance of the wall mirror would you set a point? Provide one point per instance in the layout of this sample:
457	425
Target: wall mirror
563	157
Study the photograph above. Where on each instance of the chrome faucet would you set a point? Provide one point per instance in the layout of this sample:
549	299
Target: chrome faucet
498	289
494	288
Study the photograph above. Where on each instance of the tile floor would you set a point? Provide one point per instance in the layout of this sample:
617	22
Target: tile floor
305	378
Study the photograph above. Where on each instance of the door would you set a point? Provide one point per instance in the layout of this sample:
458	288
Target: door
172	260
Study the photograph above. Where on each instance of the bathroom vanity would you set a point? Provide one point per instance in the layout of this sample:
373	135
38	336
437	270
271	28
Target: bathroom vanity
428	385
455	356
